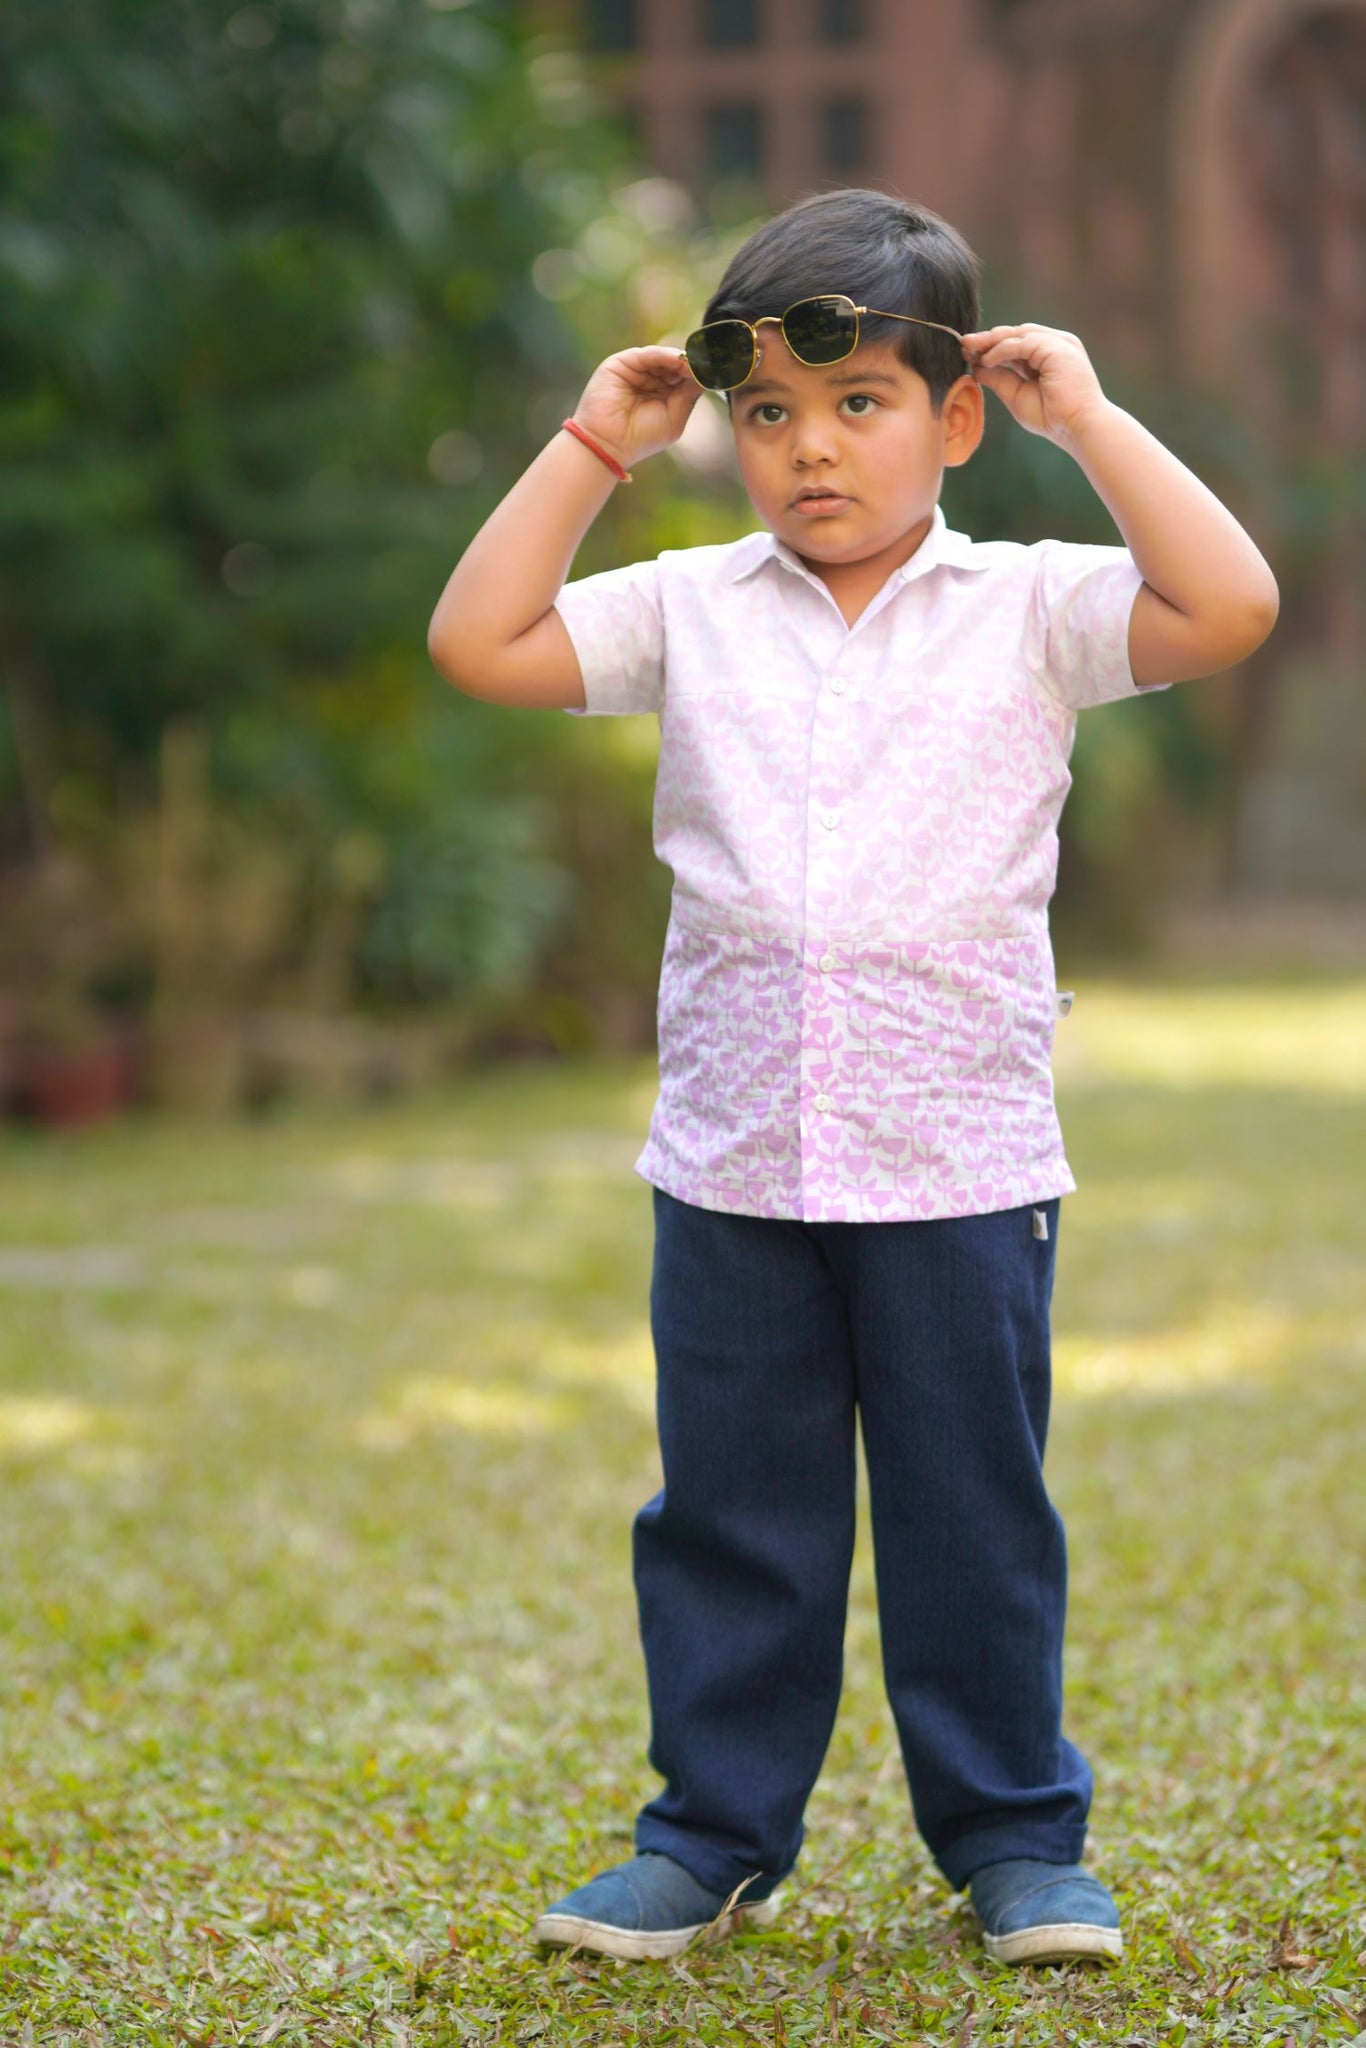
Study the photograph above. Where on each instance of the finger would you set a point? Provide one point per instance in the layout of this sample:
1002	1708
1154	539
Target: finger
655	350
1036	345
993	373
1006	384
655	355
990	349
1014	354
1013	337
649	369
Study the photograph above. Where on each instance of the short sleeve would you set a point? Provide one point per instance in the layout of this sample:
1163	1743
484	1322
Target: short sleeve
616	622
1077	635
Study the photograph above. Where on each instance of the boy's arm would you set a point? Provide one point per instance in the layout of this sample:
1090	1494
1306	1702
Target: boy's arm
495	632
1208	597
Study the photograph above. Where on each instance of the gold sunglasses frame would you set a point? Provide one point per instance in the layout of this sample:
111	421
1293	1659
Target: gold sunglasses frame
777	319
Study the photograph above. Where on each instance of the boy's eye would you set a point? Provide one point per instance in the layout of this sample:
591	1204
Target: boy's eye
863	400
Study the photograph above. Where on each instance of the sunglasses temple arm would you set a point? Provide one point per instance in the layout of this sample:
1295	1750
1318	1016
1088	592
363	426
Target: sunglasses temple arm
915	321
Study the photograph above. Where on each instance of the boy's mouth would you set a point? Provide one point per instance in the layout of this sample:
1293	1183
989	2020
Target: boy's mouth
819	498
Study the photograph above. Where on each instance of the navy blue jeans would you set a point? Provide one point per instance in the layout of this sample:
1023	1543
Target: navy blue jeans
770	1336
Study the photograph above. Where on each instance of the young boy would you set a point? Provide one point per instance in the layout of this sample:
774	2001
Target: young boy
865	721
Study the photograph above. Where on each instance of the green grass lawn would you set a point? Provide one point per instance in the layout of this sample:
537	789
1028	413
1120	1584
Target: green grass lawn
321	1440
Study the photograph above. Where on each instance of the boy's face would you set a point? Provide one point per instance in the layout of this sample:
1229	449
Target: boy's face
861	431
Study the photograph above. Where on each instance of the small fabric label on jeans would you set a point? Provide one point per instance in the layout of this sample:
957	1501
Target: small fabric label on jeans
1040	1224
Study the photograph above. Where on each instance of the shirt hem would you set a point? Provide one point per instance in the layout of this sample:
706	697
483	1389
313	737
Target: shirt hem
702	1193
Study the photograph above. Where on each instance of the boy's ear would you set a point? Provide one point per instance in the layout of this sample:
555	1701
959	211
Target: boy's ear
964	413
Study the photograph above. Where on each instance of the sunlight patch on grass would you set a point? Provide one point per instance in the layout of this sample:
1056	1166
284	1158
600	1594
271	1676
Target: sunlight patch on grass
87	1269
427	1183
313	1286
43	1425
1296	1038
462	1182
425	1406
625	1363
1231	1340
99	1459
468	1402
1172	1204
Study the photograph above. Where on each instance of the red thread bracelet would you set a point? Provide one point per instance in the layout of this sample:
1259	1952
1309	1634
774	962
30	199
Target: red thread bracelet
622	476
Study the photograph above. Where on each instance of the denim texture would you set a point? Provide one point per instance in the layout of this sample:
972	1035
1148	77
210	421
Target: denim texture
772	1339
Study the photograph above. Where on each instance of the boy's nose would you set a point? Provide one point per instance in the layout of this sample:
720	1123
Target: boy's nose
812	449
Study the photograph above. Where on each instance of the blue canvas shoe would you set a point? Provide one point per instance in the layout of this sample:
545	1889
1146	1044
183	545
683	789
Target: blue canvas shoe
649	1907
1035	1912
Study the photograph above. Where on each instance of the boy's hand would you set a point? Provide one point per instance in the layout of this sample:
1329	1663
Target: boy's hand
638	402
1041	375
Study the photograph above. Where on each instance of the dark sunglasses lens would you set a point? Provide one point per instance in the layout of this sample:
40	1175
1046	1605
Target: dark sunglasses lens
720	355
821	330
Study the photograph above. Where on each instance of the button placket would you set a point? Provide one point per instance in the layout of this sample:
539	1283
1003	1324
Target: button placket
820	1033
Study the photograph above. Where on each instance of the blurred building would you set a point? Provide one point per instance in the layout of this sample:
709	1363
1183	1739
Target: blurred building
1182	181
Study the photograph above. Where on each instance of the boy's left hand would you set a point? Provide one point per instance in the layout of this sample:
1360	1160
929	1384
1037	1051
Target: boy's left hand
1042	376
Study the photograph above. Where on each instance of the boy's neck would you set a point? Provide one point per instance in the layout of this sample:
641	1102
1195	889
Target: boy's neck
853	585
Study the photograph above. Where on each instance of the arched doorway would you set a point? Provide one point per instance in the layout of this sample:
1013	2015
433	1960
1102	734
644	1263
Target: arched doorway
1269	188
1269	213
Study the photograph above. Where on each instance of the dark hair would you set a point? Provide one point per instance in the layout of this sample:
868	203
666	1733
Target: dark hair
883	252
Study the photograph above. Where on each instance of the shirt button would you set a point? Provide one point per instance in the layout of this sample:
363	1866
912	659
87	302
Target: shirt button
827	963
837	685
830	819
823	1103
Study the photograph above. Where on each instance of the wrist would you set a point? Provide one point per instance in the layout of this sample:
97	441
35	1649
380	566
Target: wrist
601	445
1080	431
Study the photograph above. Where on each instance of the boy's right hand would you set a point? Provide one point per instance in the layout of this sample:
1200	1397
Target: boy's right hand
638	401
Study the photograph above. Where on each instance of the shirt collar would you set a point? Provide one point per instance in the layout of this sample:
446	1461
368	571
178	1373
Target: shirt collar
941	544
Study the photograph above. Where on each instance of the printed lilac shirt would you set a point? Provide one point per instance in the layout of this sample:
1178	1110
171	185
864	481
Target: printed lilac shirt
856	1005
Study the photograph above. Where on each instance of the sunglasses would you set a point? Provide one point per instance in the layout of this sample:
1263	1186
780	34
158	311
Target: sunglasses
722	355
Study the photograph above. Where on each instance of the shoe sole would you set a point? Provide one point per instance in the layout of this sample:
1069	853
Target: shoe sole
1066	1941
567	1930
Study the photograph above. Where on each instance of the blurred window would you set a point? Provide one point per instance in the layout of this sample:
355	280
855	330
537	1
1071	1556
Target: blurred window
844	136
613	25
732	140
730	24
843	21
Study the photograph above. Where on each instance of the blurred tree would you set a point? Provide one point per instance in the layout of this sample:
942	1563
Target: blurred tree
284	310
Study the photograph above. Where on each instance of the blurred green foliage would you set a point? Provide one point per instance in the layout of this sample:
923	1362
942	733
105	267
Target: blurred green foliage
256	265
283	312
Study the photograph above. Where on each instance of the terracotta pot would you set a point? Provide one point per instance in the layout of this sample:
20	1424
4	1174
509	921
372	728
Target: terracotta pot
64	1087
